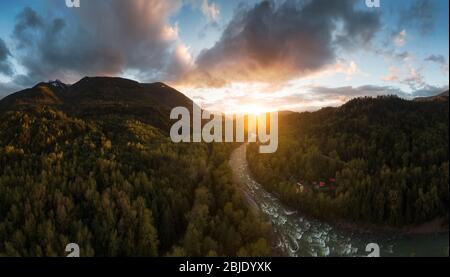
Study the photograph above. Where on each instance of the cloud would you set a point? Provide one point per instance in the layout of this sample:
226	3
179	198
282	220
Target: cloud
392	76
340	95
439	60
129	36
210	10
415	79
212	25
7	88
400	38
349	70
341	66
403	56
344	94
307	98
419	15
393	55
406	75
283	40
5	66
295	97
429	90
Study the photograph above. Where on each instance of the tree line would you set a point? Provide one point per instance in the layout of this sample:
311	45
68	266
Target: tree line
388	157
117	187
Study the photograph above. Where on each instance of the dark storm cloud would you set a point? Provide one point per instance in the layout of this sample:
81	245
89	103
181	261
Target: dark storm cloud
420	15
100	38
23	80
7	88
278	41
41	44
28	19
5	66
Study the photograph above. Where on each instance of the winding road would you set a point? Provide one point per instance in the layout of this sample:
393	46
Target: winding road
301	237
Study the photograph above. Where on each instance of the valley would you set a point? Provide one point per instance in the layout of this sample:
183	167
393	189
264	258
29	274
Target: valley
93	163
300	236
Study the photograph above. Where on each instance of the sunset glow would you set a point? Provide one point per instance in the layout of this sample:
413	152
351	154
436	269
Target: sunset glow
225	60
230	130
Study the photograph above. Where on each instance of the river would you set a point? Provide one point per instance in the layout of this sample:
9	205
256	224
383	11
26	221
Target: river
297	236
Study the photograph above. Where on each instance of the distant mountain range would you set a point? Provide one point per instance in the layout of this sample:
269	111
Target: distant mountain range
440	97
97	95
102	96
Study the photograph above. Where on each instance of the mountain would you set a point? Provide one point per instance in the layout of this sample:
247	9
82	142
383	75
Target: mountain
92	163
441	97
381	161
103	96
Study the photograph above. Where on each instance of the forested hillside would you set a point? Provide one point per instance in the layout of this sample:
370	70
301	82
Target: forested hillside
112	181
383	161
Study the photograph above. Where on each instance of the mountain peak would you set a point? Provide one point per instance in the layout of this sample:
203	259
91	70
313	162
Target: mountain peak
58	84
96	96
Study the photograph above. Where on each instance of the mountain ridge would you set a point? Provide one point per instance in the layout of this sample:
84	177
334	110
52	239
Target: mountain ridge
106	88
102	96
118	89
440	97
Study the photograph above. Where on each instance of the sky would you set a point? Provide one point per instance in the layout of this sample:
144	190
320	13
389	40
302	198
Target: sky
233	55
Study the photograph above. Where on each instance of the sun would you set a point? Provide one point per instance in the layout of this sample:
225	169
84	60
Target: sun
253	109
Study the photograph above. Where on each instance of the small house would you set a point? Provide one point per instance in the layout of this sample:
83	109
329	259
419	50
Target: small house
300	188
